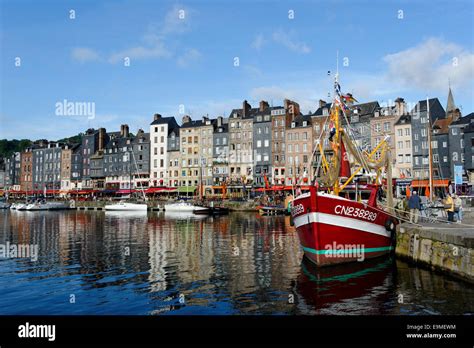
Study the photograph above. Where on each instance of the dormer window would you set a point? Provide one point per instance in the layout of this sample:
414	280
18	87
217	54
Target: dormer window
293	124
305	123
325	112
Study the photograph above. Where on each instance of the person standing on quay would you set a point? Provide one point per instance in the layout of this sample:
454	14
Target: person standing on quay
458	208
414	204
449	206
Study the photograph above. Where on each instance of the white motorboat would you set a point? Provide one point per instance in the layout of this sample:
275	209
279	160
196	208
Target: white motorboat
183	207
21	206
127	206
4	205
37	206
13	206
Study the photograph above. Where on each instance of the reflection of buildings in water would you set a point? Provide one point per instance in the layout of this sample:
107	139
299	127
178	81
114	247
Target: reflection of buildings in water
161	241
353	288
179	251
268	257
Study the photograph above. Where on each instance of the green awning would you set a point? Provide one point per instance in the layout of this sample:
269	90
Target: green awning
186	189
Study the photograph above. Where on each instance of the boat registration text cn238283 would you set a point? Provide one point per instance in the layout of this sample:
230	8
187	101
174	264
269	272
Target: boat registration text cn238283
355	212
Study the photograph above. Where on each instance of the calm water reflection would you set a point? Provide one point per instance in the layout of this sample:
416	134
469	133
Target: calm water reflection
160	264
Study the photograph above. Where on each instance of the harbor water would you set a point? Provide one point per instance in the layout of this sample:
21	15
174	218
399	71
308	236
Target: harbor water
155	263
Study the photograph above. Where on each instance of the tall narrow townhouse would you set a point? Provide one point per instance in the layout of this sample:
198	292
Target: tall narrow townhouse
160	130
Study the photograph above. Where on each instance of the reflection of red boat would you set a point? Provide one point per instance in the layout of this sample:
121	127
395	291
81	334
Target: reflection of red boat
334	230
322	287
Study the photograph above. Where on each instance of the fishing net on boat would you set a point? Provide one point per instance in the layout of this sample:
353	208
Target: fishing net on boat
382	162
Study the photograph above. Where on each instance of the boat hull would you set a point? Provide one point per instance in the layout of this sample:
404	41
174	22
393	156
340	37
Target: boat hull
334	230
126	207
184	208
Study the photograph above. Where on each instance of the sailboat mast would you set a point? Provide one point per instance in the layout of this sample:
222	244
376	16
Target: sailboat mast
430	150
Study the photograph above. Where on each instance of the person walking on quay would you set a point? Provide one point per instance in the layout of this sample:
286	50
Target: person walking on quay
402	207
414	204
449	206
458	208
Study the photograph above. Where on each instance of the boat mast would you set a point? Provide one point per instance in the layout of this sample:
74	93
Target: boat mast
200	179
430	150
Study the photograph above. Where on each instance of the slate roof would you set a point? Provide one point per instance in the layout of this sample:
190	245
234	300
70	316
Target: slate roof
365	108
319	111
252	112
464	120
436	109
300	119
193	124
145	136
404	119
224	126
171	121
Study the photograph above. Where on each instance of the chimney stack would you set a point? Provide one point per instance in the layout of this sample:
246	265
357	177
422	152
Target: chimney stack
322	103
101	139
292	108
263	105
456	114
156	117
400	106
186	119
245	109
219	121
124	131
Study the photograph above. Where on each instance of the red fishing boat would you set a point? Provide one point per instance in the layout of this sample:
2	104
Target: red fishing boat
334	228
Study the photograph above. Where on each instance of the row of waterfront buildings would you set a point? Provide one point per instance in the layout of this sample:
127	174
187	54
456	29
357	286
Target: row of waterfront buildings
252	147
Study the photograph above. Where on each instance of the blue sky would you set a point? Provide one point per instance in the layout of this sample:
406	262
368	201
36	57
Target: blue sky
190	61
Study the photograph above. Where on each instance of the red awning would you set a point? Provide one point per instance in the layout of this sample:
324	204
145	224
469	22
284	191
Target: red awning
160	189
52	192
126	191
82	192
425	183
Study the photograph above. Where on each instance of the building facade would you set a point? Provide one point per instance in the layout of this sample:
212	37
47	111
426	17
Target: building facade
241	145
13	172
403	154
421	125
162	130
262	145
299	148
191	165
220	151
278	131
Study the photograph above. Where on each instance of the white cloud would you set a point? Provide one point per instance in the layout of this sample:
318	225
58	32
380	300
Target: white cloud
287	40
258	42
188	57
156	43
142	52
84	54
177	20
429	65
